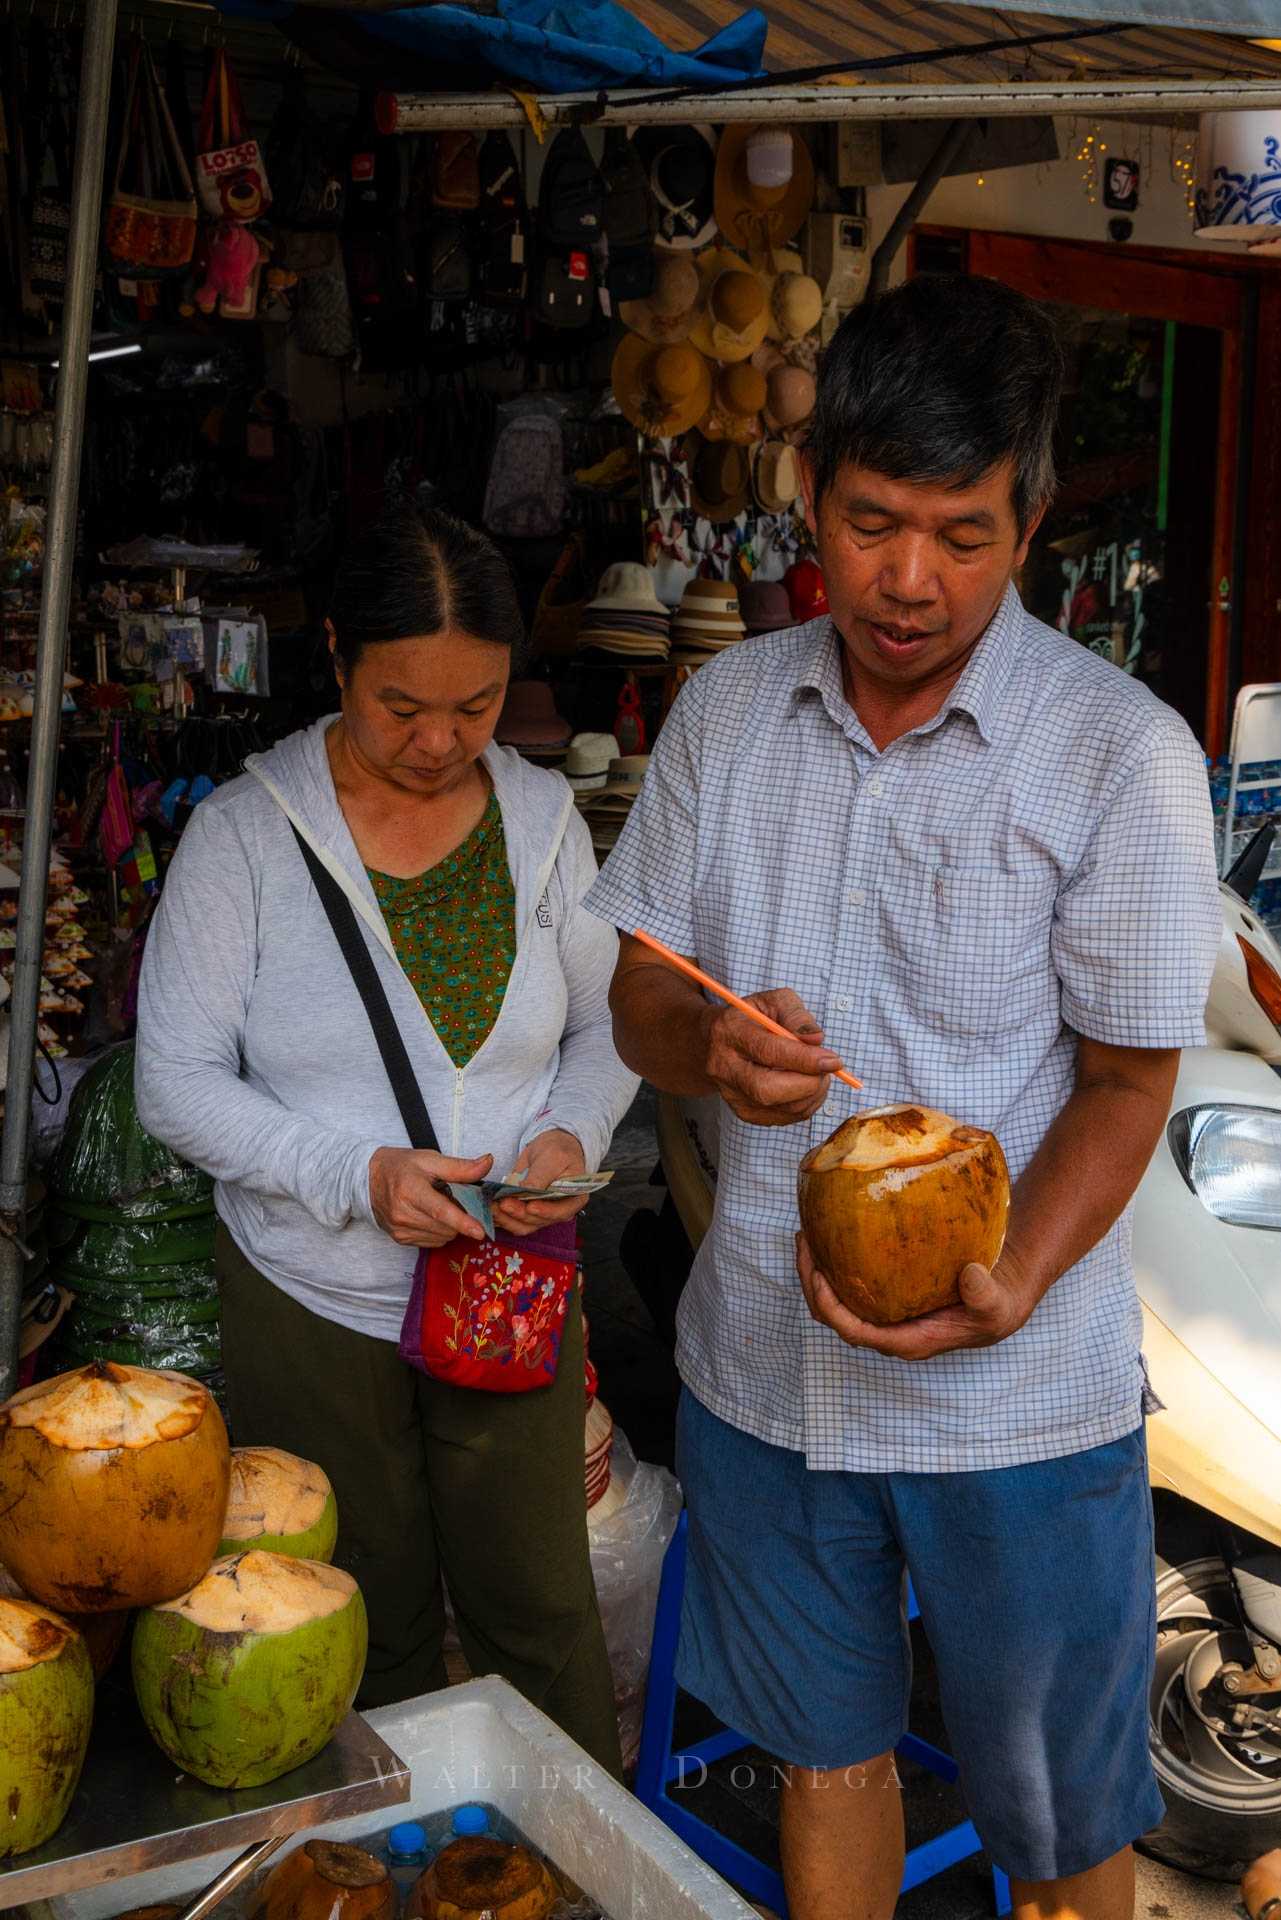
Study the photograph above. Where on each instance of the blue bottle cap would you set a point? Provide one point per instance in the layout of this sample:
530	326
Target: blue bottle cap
470	1820
408	1837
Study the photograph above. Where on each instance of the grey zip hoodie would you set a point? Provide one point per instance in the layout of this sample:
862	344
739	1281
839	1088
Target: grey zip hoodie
255	1057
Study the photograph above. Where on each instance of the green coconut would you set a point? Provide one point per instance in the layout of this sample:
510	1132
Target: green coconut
46	1711
278	1503
252	1672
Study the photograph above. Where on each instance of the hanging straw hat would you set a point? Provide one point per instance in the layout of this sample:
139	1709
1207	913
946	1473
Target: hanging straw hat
661	390
790	396
720	481
735	308
776	476
738	394
795	297
667	314
764	185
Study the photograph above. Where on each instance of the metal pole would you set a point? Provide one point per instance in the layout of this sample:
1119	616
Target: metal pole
55	607
947	151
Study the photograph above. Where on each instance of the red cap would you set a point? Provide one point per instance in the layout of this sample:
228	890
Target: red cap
806	593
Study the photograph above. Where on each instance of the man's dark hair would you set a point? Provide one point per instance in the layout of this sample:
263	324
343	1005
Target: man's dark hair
941	381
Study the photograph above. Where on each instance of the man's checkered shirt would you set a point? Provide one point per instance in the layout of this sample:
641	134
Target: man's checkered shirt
1034	863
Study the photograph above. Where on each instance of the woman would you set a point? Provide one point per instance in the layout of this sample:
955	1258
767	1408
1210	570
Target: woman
256	1061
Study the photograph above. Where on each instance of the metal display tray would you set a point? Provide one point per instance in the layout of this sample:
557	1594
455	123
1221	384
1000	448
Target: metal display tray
132	1811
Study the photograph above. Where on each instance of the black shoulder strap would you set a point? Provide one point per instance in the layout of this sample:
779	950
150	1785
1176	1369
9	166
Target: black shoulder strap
355	952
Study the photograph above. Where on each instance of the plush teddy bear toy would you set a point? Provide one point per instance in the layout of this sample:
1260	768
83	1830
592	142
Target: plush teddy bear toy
235	253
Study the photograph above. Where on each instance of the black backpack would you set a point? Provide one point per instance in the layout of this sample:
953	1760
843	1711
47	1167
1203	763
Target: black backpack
502	226
448	259
571	199
629	219
565	288
306	170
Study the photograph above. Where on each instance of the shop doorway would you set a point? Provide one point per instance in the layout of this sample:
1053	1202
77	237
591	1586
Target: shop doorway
1140	555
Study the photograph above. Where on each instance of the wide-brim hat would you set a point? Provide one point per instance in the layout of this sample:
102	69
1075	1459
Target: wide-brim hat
663	391
795	297
734	309
791	394
765	606
749	213
529	718
623	781
720	480
776	476
627	587
681	163
734	405
667	313
587	760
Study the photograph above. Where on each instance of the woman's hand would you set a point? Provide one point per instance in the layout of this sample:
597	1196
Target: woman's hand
552	1156
405	1191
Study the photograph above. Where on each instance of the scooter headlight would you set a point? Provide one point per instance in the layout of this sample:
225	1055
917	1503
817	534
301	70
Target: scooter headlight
1231	1159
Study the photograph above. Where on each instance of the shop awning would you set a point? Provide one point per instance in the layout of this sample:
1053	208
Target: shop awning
928	43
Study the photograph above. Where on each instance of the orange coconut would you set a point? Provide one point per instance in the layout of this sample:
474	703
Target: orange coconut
896	1203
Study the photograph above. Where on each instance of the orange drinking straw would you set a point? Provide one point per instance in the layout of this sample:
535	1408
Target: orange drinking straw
723	993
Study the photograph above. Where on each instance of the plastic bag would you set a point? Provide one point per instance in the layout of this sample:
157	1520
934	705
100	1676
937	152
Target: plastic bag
194	1280
94	1248
627	1552
109	1166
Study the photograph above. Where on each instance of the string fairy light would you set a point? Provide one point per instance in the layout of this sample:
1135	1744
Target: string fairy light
1183	159
1088	158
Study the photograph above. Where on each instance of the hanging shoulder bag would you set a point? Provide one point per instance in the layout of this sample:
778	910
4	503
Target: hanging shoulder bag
486	1314
229	163
151	217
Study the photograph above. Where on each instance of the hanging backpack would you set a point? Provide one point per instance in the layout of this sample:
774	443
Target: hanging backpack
308	188
455	176
571	199
448	256
150	227
565	289
525	494
502	236
230	170
628	219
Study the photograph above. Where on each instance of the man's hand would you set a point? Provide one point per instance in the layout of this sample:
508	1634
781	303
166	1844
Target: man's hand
553	1155
767	1081
406	1191
993	1305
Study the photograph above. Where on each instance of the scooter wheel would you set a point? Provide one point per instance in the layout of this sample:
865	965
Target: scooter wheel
1222	1790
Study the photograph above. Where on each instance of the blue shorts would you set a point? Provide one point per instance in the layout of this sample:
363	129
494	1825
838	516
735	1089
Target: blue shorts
1036	1591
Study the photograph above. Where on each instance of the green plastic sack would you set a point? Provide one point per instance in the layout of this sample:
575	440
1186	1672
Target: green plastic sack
194	1280
123	1250
199	1356
109	1165
133	1319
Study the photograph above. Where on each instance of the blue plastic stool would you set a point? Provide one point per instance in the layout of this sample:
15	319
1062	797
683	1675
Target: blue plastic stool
658	1766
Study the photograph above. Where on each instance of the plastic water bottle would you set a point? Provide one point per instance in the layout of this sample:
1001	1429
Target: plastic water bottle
406	1855
463	1822
469	1820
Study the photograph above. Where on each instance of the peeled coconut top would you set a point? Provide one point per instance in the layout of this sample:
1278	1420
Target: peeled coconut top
30	1635
344	1866
104	1405
263	1593
273	1492
899	1139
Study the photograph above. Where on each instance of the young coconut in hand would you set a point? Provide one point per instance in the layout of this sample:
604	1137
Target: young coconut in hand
897	1203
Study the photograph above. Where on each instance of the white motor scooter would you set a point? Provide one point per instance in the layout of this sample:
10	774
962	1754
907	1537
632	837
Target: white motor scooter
1207	1255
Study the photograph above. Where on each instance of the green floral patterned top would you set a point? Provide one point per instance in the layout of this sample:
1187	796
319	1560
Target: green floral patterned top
454	931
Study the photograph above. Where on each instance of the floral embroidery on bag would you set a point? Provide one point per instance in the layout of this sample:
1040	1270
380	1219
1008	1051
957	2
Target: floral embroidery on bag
509	1309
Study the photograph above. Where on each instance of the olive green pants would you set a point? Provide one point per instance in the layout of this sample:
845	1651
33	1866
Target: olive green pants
431	1479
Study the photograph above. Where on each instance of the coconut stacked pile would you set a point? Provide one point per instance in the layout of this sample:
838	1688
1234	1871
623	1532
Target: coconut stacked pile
131	1228
119	1492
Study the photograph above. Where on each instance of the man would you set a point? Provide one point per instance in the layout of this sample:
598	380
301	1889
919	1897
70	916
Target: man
954	851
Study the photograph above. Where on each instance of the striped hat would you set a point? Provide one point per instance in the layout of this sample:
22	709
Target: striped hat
707	619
